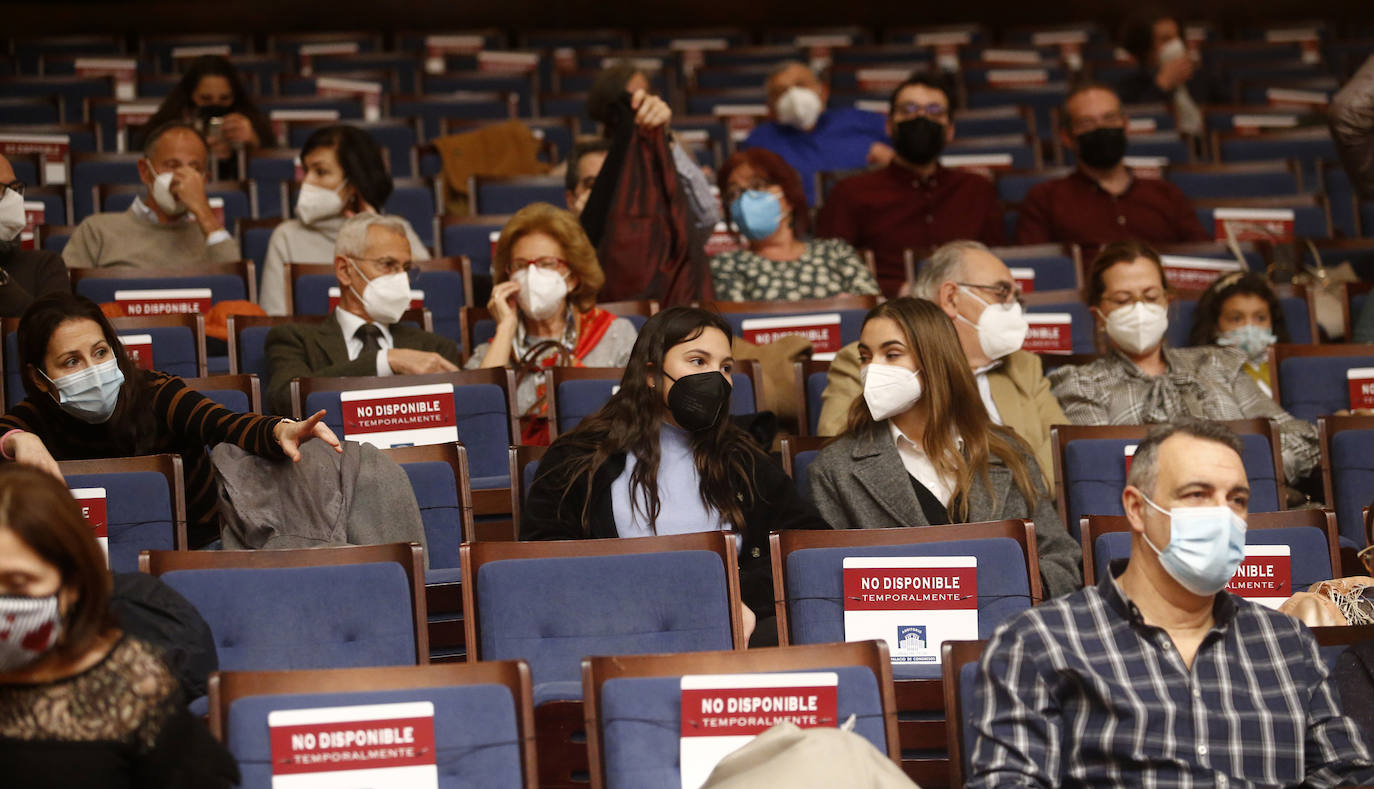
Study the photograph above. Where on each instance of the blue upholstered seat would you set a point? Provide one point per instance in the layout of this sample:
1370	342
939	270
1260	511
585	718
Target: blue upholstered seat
502	196
555	611
815	588
1352	481
475	731
304	617
641	719
1314	386
436	491
1310	557
1095	473
139	514
223	287
851	321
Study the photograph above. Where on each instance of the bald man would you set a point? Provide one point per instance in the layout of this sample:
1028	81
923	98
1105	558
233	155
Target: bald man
172	225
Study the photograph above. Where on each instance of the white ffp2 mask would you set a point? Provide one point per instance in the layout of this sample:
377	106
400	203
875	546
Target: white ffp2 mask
162	193
384	298
1139	327
316	202
889	390
799	107
12	217
1001	328
542	292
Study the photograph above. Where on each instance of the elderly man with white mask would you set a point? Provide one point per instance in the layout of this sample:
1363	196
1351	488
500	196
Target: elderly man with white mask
812	138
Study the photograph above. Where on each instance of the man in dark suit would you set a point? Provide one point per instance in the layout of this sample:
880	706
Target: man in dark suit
361	337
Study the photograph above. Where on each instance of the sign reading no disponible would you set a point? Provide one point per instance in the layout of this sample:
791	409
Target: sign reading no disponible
383	746
400	416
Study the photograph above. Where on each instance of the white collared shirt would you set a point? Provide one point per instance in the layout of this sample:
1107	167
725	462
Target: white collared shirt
141	208
918	465
985	389
350	324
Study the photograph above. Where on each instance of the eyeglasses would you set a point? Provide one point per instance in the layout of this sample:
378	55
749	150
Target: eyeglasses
910	109
756	185
1151	296
14	186
393	266
1112	120
548	263
1002	293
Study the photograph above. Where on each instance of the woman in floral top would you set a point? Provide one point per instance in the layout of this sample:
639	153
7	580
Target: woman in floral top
767	208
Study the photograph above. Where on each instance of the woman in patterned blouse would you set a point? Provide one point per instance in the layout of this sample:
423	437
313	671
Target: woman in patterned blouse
86	399
767	207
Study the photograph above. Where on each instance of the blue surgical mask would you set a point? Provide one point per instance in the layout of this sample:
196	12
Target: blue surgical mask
90	394
1206	545
1250	339
757	214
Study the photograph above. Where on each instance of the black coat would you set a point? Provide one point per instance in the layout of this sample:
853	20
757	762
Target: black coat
27	274
547	515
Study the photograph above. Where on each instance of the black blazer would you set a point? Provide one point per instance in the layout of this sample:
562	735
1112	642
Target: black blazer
548	515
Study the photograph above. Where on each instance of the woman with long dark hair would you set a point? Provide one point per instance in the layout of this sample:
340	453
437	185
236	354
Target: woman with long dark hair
211	96
82	703
663	457
86	399
920	448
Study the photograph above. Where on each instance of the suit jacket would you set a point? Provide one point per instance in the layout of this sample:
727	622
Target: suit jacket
304	350
859	482
550	515
1019	387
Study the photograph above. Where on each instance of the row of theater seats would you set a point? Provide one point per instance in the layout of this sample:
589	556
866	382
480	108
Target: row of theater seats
557	606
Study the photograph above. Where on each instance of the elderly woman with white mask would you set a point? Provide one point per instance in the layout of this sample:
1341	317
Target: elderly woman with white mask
1140	380
546	278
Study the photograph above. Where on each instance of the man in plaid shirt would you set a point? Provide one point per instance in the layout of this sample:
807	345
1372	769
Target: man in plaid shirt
1157	676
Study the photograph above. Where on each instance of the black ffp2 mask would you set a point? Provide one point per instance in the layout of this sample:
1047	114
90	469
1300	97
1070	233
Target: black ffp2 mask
698	401
919	140
1102	148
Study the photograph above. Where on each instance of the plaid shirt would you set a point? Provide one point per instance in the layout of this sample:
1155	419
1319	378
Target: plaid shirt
1079	691
1207	382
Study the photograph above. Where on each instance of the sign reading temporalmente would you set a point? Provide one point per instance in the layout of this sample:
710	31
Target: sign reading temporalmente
53	147
380	746
1254	224
1266	575
168	301
1361	380
93	509
723	712
1189	273
400	416
1049	332
822	329
140	349
914	603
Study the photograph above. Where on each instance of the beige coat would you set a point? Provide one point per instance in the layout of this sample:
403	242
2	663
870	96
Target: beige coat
1019	388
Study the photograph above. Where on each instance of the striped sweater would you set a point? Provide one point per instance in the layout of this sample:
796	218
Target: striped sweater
188	423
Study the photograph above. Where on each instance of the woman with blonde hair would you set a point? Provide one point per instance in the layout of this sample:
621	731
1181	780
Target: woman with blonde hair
920	448
544	303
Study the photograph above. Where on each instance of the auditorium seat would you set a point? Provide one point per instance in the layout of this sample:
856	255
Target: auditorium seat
144	501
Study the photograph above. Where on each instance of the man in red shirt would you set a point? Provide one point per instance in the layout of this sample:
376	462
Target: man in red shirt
1101	201
914	202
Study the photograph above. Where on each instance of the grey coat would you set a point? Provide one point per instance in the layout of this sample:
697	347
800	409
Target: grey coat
859	482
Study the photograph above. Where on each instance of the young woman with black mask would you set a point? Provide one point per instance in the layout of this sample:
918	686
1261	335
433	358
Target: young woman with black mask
662	457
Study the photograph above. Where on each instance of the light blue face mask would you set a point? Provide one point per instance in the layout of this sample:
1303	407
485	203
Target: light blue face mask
1206	545
1250	339
90	394
757	214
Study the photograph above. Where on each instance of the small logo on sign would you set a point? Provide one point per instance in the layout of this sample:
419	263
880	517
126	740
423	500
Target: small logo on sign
911	636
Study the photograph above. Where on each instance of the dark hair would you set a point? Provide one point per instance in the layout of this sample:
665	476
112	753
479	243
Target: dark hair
629	423
1144	463
955	408
360	158
131	424
775	170
580	149
608	86
1209	306
43	515
1120	252
1137	34
150	139
179	105
929	79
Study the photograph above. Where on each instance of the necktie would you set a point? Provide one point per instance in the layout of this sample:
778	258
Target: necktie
371	337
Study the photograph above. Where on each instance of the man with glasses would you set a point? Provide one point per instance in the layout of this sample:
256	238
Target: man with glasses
914	202
25	274
363	335
172	226
1101	201
1142	380
977	292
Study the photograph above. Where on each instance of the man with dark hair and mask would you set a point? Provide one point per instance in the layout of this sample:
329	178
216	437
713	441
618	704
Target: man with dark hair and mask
812	138
1157	676
25	274
914	202
171	226
1101	201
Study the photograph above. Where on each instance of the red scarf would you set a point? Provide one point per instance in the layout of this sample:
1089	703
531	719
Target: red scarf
592	325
